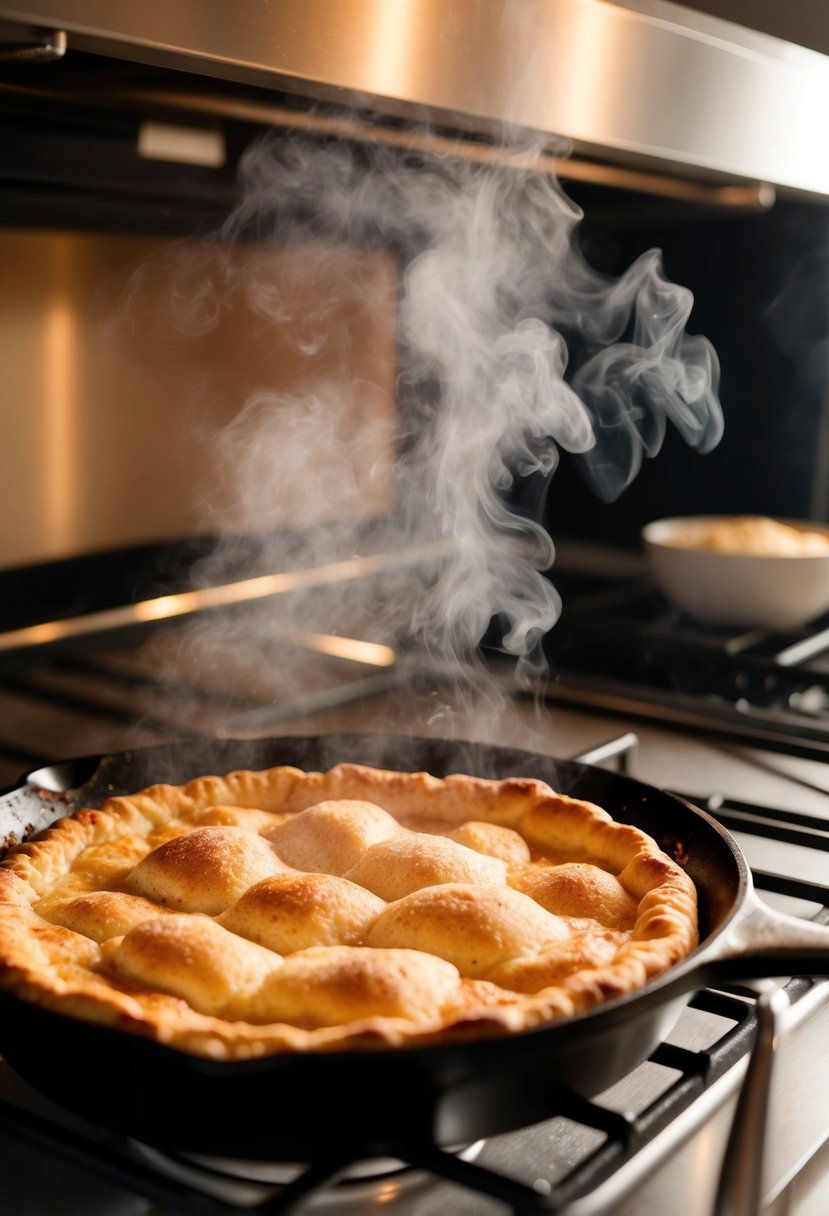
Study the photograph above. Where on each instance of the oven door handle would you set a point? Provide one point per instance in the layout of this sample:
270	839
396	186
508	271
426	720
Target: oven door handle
740	1190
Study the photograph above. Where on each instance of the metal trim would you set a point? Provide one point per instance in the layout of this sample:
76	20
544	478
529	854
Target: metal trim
222	595
652	83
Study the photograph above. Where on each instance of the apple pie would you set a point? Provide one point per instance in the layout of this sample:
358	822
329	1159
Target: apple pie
291	911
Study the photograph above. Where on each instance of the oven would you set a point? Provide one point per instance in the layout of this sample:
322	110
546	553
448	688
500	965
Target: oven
280	461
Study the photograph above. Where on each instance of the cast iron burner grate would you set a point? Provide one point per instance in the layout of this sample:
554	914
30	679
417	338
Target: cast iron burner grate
614	1136
619	646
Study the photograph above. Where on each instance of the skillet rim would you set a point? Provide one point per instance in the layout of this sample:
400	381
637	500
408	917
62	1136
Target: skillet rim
631	1003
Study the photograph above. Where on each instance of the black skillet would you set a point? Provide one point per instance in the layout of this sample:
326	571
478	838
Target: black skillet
284	1107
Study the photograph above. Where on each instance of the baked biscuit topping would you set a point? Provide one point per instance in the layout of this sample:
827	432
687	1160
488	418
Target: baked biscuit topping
279	911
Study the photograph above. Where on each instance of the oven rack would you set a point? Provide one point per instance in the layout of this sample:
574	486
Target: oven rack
622	1134
618	648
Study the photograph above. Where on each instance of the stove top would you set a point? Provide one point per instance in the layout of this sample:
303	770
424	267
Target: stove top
592	1158
619	645
661	1131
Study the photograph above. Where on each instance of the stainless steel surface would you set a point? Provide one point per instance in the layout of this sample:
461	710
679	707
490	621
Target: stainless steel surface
115	392
801	21
649	82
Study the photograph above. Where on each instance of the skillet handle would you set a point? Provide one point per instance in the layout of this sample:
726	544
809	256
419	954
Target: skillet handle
762	943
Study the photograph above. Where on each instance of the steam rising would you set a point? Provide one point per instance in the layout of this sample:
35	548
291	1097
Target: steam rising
495	299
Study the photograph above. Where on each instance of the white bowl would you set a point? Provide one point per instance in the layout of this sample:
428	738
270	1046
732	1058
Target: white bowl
743	589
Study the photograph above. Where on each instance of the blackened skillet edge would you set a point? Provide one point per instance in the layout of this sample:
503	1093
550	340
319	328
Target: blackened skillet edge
278	1107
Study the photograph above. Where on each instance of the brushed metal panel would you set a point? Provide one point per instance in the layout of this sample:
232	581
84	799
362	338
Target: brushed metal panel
652	81
118	379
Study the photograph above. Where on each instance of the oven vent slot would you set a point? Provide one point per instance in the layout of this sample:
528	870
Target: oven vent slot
21	45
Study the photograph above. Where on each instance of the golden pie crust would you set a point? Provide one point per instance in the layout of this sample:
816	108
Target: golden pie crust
289	911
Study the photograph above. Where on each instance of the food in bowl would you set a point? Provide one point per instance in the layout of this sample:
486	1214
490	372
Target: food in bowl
285	911
743	571
755	534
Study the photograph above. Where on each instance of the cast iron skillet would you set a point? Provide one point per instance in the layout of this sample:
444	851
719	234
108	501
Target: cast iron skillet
284	1107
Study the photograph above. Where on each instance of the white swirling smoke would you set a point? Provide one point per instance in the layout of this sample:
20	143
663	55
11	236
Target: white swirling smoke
494	293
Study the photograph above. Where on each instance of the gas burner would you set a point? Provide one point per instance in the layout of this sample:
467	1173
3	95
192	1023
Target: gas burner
248	1184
